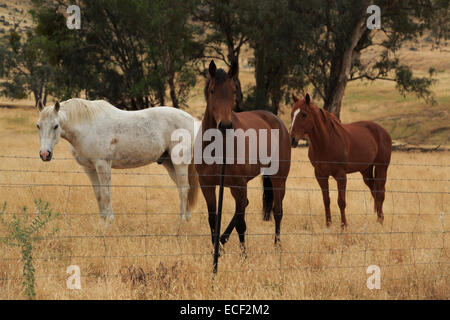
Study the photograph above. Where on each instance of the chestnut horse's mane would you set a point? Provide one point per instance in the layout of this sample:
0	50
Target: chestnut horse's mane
329	119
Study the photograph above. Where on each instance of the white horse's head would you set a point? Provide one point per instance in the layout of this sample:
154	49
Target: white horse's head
49	129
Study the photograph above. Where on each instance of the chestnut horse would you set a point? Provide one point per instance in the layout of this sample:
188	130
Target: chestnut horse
337	149
220	93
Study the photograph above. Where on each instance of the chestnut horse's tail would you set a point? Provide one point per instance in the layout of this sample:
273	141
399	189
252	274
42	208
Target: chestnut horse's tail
267	198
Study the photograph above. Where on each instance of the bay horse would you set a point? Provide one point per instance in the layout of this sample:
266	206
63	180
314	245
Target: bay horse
220	93
337	149
102	137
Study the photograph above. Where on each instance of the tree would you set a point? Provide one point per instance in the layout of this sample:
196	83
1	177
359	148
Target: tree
271	27
177	51
24	67
223	25
329	56
127	52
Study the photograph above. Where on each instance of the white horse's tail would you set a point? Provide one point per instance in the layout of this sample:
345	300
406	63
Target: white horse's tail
193	186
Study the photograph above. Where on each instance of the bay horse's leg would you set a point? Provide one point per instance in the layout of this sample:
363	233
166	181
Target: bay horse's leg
103	168
93	177
341	180
279	190
239	194
209	192
368	179
323	183
225	236
379	189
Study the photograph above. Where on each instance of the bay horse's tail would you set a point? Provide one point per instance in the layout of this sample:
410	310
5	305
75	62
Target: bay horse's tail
267	198
193	186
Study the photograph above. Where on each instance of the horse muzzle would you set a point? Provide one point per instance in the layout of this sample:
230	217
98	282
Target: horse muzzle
223	125
46	155
294	142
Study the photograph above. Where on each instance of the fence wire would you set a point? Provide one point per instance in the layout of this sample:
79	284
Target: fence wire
282	257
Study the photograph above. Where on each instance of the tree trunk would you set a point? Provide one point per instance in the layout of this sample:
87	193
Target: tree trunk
261	92
161	95
173	93
340	70
276	99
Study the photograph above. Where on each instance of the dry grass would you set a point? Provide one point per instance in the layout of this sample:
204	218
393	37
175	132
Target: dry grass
411	248
145	256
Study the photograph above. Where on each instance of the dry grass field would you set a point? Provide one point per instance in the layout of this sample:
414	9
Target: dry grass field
146	255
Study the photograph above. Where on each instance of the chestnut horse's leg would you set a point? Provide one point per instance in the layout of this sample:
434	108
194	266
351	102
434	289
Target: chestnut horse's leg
239	194
341	180
323	183
209	192
368	179
379	189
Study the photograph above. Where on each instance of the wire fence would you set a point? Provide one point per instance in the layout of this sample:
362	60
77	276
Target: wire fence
415	238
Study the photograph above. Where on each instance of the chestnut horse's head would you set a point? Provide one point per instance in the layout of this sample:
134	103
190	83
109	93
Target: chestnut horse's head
220	94
302	118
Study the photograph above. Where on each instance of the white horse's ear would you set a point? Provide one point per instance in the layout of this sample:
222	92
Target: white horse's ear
40	105
57	106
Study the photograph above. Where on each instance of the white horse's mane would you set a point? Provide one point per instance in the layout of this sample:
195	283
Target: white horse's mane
77	110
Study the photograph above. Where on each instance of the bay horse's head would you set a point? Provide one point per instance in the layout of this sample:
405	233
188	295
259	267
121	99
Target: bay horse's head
49	129
302	118
220	94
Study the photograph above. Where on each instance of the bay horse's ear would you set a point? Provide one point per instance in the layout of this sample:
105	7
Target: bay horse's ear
294	98
212	69
40	105
307	99
57	106
233	69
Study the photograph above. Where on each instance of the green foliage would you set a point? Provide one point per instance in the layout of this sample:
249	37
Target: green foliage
128	52
23	233
332	26
272	30
23	66
133	52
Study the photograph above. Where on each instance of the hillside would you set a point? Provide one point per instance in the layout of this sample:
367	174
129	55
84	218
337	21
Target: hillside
408	119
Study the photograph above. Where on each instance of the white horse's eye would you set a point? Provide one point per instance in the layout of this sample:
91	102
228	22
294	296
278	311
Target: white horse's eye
38	126
56	127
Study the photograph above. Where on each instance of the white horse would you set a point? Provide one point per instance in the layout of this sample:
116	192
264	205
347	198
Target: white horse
102	137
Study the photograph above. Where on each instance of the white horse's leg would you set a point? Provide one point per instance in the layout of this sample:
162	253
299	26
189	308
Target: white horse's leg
93	177
182	182
103	168
174	173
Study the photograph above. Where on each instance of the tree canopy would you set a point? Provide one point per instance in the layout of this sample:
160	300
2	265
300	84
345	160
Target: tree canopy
142	53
